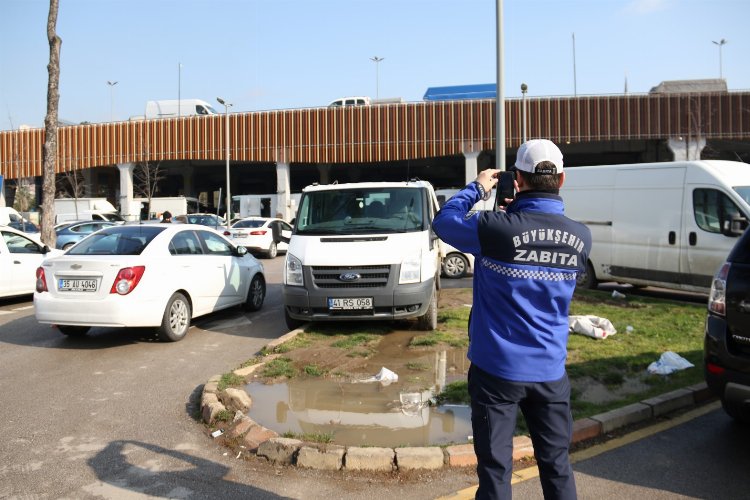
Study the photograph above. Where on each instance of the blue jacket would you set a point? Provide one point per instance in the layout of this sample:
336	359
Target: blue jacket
526	261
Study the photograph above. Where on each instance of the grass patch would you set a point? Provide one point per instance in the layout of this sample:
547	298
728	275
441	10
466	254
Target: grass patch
313	371
435	337
230	380
417	366
224	416
455	392
279	367
355	340
311	437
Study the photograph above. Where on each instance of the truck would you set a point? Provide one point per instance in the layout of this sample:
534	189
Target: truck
72	209
176	205
173	108
668	224
263	205
363	251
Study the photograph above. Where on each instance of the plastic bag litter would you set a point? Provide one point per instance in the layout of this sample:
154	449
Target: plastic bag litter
669	362
384	376
591	326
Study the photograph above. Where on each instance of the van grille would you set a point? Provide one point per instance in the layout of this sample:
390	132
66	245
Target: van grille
370	276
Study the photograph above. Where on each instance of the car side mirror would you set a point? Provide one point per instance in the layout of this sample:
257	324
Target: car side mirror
241	251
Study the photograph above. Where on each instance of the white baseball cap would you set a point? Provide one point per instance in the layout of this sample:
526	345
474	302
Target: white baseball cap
535	151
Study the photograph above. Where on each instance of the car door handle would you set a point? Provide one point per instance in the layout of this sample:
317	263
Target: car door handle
16	261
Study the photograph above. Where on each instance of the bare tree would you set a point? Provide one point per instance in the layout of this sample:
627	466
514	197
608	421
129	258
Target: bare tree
71	184
146	178
49	153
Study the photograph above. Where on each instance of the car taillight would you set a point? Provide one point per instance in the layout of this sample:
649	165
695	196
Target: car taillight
41	280
717	298
259	232
127	279
227	233
714	369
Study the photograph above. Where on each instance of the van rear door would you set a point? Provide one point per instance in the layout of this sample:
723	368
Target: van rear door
647	224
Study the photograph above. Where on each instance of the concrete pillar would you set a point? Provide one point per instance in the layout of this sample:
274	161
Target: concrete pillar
683	150
283	192
128	210
471	151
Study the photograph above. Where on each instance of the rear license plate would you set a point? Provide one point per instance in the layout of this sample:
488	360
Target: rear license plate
77	285
239	235
350	303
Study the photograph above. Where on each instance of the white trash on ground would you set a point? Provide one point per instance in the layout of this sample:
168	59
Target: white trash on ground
591	326
669	362
384	376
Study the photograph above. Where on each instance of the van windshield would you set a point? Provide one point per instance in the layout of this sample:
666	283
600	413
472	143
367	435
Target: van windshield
744	192
362	211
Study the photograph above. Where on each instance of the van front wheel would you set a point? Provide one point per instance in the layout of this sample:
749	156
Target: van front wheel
428	322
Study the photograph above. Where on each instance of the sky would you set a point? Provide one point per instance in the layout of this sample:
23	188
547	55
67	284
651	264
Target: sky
281	54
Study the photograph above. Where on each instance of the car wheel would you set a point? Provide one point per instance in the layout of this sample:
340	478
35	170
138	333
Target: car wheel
587	279
292	323
428	322
455	266
176	320
67	245
73	331
272	251
735	412
256	293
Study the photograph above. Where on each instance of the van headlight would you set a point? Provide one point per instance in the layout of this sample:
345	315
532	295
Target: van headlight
411	269
293	271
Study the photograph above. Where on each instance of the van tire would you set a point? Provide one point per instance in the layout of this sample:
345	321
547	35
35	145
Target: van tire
587	279
428	322
292	323
176	320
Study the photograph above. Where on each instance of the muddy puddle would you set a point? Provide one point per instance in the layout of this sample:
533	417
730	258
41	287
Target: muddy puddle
372	409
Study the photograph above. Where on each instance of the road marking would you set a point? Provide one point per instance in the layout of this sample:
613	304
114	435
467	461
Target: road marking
24	308
532	472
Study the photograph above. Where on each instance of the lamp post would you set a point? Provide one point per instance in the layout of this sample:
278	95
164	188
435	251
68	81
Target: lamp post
524	88
226	139
720	43
179	91
377	60
111	99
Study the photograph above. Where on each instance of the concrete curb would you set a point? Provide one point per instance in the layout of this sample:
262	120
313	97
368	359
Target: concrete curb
267	443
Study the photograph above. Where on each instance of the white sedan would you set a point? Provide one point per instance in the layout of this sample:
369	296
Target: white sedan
256	234
457	264
20	255
150	275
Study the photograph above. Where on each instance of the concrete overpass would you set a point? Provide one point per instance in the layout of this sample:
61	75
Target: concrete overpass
445	142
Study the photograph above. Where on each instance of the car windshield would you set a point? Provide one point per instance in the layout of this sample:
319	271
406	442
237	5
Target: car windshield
117	240
361	211
249	223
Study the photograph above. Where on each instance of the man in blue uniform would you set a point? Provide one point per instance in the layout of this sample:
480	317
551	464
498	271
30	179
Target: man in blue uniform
526	261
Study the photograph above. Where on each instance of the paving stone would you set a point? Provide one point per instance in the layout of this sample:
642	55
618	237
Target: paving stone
411	458
256	435
665	403
240	427
630	414
461	455
279	450
330	457
586	428
369	459
522	447
236	399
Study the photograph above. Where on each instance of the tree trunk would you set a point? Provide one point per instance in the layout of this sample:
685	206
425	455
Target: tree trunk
49	154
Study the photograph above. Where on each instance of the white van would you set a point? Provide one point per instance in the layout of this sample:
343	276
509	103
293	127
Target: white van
363	251
666	224
351	101
172	108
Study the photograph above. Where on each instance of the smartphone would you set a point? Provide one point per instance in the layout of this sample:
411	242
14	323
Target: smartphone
506	188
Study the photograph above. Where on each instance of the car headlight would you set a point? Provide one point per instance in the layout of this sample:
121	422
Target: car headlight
293	271
411	269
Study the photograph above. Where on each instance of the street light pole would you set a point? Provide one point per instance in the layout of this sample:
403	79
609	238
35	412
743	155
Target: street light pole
179	91
111	100
720	43
226	139
377	60
524	88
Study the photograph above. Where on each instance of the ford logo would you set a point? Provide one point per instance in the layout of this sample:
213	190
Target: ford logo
349	276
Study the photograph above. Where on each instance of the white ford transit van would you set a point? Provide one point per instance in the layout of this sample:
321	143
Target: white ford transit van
363	251
668	224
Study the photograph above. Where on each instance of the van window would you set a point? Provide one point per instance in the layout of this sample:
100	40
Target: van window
710	207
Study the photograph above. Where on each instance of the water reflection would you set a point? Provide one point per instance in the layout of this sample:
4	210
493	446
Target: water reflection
360	413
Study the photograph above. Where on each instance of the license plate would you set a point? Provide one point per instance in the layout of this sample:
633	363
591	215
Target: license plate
350	303
77	285
239	235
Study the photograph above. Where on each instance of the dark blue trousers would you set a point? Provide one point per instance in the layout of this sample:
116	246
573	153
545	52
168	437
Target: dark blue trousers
546	408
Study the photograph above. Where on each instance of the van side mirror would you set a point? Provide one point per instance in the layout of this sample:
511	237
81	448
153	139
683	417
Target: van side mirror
734	226
277	236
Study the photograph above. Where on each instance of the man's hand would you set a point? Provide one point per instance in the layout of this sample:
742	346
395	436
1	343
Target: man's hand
488	178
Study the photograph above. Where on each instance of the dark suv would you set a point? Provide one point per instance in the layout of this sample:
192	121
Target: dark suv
727	341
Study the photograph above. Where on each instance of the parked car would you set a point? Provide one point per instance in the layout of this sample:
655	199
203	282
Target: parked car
210	220
151	275
256	234
20	256
727	337
456	263
70	234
